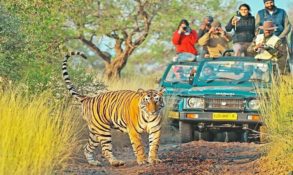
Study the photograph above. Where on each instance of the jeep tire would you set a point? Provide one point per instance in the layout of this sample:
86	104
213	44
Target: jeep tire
245	136
186	131
202	135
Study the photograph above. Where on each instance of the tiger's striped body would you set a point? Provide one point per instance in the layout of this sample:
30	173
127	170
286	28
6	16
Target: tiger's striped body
133	112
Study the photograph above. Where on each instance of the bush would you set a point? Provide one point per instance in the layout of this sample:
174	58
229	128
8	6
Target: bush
37	135
277	109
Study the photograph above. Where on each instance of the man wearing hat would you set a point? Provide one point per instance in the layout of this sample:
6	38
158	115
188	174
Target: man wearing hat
277	15
216	40
269	46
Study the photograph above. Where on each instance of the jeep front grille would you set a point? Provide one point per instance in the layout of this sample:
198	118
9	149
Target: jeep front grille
224	104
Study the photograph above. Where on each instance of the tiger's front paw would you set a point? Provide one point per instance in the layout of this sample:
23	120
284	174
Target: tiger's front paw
115	162
154	160
142	162
91	160
94	162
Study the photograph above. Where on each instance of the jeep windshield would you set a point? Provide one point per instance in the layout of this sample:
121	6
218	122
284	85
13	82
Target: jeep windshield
180	73
237	72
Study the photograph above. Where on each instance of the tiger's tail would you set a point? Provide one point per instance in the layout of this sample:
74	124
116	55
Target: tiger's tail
66	78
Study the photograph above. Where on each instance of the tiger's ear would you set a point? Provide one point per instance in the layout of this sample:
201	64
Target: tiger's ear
161	91
140	91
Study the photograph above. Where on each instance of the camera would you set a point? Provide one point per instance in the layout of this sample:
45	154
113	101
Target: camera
185	28
238	15
238	18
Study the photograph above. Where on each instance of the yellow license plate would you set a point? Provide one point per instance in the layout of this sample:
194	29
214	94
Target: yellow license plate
224	116
173	114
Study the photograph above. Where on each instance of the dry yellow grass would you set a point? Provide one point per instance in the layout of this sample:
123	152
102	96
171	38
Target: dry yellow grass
277	109
36	136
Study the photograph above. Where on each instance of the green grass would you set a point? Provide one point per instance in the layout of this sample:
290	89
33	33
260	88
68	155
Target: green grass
37	136
277	109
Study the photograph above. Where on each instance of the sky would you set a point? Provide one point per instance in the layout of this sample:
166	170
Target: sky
256	5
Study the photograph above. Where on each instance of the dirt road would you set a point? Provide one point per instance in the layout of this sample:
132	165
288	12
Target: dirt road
198	158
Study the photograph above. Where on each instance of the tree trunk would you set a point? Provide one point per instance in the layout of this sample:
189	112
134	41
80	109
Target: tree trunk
113	69
112	72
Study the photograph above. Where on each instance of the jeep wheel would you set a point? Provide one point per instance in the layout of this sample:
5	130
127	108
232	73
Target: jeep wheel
186	131
225	136
202	135
244	136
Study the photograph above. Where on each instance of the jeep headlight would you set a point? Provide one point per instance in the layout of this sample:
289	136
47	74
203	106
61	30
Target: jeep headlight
195	102
254	104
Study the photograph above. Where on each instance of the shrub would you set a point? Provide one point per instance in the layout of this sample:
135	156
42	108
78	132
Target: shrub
37	135
277	109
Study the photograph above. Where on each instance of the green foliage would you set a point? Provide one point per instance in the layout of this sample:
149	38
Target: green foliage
85	81
37	78
31	38
26	44
11	42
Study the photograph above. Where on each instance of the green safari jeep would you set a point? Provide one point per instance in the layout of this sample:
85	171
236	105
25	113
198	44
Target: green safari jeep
217	99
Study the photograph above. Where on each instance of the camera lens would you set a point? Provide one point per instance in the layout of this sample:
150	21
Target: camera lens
185	28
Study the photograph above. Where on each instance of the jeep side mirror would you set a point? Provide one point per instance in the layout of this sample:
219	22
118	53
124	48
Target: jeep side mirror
190	79
191	76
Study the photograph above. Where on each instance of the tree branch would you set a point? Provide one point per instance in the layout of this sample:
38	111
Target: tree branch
118	49
91	45
147	23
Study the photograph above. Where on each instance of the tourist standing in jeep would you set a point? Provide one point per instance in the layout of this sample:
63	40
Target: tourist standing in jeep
184	39
216	40
204	28
277	15
269	46
243	25
283	27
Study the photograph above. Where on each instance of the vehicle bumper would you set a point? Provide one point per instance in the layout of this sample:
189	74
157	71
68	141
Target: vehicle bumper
237	117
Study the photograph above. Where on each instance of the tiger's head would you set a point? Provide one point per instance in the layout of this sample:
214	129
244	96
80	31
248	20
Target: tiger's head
151	101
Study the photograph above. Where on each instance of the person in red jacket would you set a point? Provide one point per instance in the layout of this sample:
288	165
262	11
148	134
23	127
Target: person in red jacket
184	39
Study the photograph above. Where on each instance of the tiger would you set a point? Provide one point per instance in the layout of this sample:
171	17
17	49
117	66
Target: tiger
132	112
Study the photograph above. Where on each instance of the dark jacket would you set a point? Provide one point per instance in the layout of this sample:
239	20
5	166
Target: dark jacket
279	18
244	30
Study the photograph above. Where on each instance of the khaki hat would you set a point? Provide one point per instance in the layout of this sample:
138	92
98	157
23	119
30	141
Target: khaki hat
268	25
216	24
